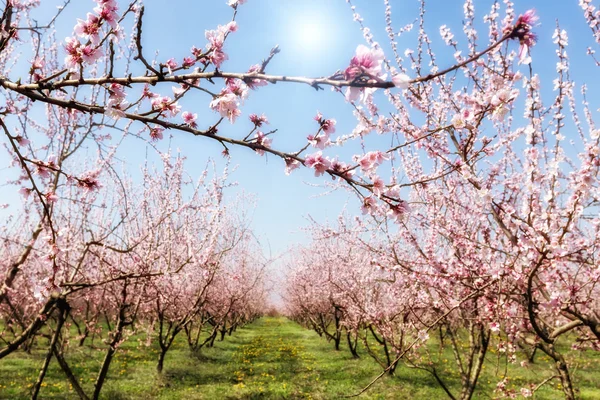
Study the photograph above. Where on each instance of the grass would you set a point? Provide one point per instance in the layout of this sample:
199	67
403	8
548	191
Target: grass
273	358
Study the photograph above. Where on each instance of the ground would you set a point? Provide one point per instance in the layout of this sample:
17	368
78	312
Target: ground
273	358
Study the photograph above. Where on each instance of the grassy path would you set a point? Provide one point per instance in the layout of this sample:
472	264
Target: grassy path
275	358
272	358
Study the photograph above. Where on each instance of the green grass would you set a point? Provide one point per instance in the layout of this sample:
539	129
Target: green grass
273	358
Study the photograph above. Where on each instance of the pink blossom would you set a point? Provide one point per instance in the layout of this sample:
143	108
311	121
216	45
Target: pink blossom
91	54
371	160
89	28
171	64
107	10
258	121
188	62
115	108
72	47
21	141
526	392
146	93
290	165
235	3
319	141
521	31
217	56
262	140
495	327
237	87
231	26
366	61
227	106
318	162
117	91
342	169
38	63
51	197
42	171
156	133
369	205
166	104
378	186
89	181
328	126
25	192
397	212
254	83
189	119
401	81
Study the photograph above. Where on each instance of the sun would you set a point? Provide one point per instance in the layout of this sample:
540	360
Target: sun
310	34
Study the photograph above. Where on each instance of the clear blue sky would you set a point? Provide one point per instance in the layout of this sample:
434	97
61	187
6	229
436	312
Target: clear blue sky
316	38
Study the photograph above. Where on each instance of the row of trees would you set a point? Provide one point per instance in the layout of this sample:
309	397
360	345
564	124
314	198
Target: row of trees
95	252
169	258
405	296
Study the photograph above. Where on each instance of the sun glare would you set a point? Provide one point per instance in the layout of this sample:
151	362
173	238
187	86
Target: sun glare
310	34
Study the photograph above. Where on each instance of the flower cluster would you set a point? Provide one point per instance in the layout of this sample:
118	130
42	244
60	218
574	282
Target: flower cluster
228	101
90	29
521	31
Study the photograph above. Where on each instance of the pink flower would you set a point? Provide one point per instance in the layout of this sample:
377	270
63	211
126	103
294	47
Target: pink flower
25	192
51	197
38	63
366	61
91	54
89	181
156	133
227	106
117	91
189	119
72	47
371	160
115	108
378	186
328	126
290	165
342	169
397	212
254	83
42	171
188	62
217	56
107	10
235	3
318	162
89	28
521	30
258	121
22	141
231	26
401	81
166	104
319	142
146	93
369	205
171	64
525	392
262	140
237	87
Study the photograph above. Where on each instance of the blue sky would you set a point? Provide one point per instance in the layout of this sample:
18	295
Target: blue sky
316	37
